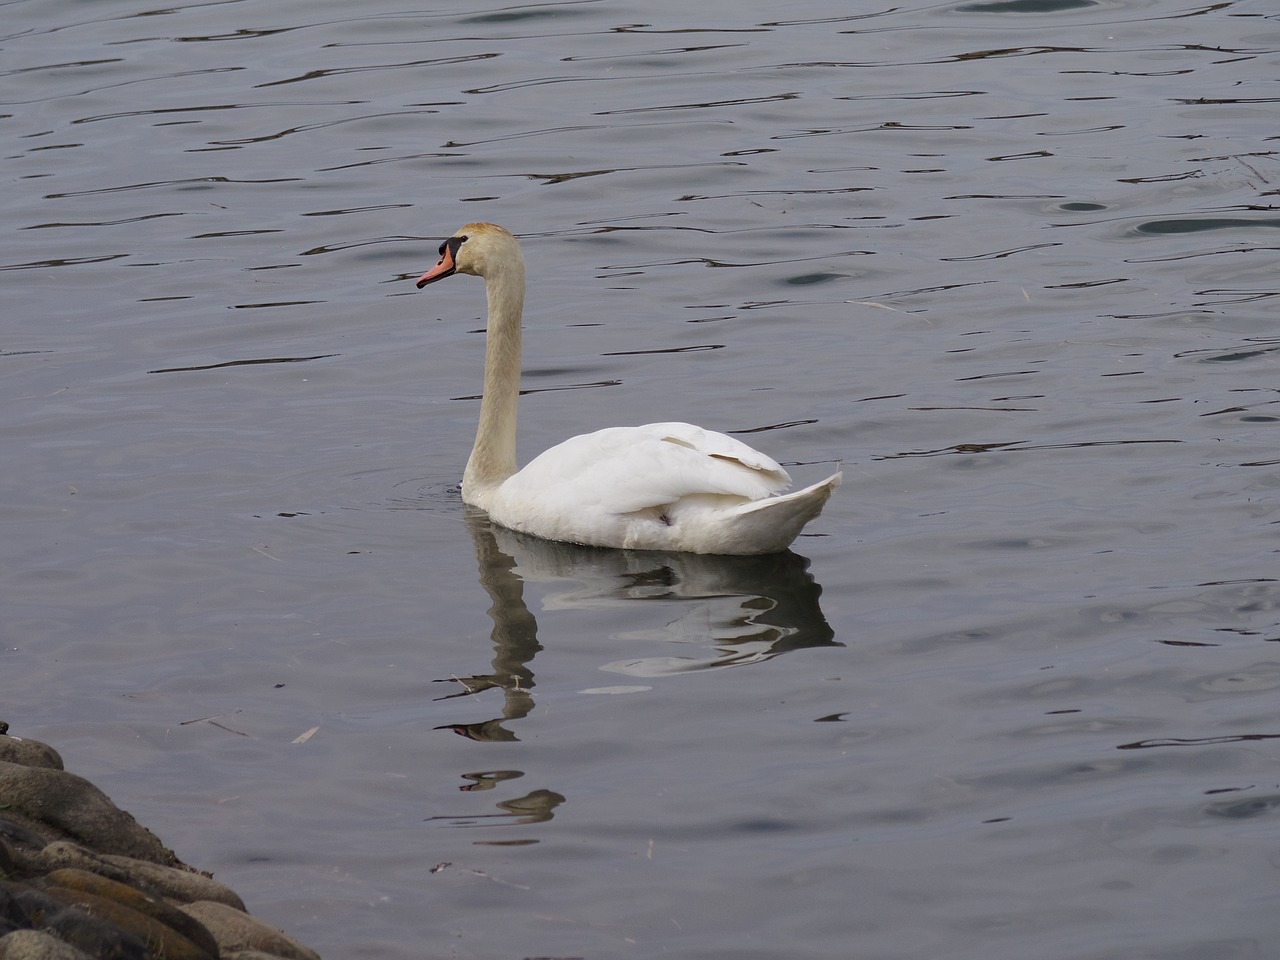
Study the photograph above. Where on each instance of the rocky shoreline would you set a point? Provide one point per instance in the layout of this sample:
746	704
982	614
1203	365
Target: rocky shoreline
80	879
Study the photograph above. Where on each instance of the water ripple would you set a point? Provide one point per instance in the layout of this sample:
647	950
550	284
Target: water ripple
1010	261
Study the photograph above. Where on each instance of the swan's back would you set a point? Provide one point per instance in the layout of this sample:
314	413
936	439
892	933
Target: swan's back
661	486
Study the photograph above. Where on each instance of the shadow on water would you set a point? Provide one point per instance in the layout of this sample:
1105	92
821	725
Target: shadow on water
736	610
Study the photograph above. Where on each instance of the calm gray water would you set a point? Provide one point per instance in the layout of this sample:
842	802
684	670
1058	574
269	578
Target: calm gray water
1014	262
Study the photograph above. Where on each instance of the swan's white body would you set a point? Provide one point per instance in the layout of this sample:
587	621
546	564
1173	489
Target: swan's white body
661	486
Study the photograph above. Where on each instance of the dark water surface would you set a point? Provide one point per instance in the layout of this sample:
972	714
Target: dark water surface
1014	262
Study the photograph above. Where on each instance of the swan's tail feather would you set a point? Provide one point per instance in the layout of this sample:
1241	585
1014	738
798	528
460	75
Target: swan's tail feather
770	525
720	524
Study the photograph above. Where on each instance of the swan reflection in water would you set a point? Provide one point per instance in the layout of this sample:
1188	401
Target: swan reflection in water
721	611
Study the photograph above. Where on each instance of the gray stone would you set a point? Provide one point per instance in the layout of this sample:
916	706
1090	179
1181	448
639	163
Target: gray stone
29	753
8	862
22	907
235	930
159	939
77	809
36	945
80	879
20	835
153	906
174	883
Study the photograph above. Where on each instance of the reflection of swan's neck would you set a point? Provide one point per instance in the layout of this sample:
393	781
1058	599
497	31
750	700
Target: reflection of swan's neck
493	458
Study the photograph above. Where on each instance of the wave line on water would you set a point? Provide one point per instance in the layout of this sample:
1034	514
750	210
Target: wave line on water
1013	446
242	363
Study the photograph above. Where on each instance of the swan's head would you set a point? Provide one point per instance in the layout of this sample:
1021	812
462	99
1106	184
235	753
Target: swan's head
474	249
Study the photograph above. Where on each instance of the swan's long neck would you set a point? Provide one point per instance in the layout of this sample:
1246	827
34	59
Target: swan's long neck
493	458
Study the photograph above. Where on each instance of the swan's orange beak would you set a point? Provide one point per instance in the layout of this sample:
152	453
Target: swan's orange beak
445	266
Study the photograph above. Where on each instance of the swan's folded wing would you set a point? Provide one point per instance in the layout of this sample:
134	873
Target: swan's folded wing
627	469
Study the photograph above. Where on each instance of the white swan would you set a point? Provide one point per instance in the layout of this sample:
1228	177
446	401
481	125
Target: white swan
662	486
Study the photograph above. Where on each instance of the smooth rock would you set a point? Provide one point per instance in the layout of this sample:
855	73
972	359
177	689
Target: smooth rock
74	807
160	940
80	879
8	863
174	883
29	753
22	907
20	835
36	945
137	900
235	930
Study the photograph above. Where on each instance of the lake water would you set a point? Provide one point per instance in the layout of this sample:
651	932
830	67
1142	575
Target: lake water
1013	262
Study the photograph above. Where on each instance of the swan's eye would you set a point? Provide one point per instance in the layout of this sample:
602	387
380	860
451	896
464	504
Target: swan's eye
452	245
